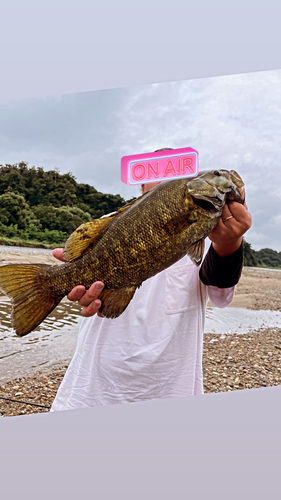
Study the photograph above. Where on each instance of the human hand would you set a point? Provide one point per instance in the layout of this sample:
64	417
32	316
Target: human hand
234	222
86	298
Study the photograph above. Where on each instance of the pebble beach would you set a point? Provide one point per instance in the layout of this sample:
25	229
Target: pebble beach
230	362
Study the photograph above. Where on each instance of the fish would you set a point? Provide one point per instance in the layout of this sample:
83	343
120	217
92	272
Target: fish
125	248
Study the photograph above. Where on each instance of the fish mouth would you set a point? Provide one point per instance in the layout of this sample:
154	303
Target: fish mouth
205	204
214	204
213	190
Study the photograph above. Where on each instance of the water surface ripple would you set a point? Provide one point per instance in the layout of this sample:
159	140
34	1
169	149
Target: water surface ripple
50	343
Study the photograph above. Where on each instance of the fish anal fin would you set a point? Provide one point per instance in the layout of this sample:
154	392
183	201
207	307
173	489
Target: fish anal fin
196	252
114	302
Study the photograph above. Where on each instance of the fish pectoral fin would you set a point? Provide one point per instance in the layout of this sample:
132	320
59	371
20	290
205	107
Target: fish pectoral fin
177	224
196	252
114	302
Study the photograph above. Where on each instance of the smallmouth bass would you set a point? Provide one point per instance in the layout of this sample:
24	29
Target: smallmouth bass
124	249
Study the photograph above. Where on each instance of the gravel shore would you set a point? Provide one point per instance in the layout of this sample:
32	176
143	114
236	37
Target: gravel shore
242	361
232	362
259	289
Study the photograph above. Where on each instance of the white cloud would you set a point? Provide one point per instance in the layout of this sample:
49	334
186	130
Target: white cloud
277	220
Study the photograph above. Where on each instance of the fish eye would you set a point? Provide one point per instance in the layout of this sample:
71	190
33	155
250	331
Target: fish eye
216	173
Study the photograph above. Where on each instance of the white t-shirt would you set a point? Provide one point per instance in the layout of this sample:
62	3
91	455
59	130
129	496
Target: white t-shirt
152	351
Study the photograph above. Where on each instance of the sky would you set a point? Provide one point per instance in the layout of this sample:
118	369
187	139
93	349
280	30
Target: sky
234	122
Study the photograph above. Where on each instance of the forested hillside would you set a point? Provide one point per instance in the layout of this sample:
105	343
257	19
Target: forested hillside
266	257
46	206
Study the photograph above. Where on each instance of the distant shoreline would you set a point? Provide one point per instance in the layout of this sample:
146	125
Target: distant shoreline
16	246
263	268
23	244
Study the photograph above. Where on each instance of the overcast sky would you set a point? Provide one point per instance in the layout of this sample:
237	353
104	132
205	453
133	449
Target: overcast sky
233	121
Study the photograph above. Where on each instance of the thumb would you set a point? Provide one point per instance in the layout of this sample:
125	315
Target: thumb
57	253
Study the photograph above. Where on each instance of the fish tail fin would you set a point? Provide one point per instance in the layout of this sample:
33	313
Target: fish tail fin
32	300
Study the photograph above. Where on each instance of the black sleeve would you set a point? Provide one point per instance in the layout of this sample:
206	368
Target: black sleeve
223	272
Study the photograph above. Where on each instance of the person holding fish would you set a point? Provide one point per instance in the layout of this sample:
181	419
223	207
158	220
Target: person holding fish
146	279
154	350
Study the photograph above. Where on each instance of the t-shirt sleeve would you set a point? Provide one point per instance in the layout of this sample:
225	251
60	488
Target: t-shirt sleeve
222	272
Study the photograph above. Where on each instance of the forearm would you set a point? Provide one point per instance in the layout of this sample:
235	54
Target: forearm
222	272
227	249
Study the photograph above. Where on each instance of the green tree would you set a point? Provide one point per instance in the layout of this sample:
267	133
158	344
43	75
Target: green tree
269	257
15	210
65	219
46	205
250	257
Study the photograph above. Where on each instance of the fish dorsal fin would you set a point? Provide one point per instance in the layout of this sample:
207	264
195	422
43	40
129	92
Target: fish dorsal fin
88	234
196	252
83	238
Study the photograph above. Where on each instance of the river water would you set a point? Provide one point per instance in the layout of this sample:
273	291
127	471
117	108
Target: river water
53	342
239	320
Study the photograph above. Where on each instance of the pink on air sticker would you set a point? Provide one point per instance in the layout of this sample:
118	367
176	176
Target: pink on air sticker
159	166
